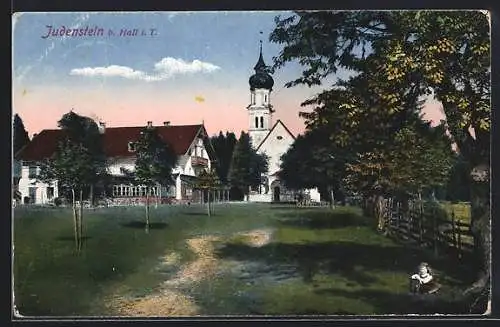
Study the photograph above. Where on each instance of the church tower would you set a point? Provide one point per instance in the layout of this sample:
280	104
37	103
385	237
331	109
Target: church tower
260	109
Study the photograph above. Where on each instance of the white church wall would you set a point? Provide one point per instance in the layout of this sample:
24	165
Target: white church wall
315	195
275	145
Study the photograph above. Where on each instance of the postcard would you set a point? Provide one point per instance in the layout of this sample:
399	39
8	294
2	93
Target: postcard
251	164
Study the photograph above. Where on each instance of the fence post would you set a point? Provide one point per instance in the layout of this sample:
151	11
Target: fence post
435	231
421	221
459	241
454	230
409	222
397	218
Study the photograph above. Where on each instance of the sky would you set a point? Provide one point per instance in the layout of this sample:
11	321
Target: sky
182	67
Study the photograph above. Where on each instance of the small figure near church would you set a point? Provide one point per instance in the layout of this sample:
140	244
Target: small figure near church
423	282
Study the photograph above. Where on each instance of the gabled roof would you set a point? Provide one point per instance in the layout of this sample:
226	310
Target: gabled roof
116	141
271	131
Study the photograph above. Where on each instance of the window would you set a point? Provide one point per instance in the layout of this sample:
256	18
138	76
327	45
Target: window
131	147
261	122
50	192
32	194
265	98
32	173
256	122
279	137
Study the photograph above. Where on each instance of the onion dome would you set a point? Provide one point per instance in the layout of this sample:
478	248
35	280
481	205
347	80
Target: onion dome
261	79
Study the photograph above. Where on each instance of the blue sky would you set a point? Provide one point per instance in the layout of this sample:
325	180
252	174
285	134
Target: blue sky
127	81
229	40
106	76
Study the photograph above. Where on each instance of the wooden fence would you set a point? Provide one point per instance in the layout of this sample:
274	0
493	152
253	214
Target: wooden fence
432	227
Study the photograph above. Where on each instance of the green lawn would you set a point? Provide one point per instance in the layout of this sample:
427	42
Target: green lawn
316	261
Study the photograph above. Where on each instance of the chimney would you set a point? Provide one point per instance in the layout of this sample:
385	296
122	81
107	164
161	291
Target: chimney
166	123
102	127
150	124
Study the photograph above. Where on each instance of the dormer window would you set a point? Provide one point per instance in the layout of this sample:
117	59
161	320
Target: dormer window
131	146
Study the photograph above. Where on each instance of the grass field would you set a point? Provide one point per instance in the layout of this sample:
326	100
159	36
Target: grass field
246	259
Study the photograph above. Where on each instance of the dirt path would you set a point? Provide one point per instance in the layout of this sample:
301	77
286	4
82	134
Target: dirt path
170	300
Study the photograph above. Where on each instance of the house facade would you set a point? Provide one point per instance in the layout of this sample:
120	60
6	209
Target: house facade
189	142
271	139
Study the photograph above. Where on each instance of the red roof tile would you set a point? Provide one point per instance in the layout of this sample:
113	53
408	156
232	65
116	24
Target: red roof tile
115	141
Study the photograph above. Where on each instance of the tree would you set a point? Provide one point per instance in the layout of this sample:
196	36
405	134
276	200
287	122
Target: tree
208	181
77	163
314	161
458	187
446	53
247	166
70	166
224	147
154	162
84	130
20	137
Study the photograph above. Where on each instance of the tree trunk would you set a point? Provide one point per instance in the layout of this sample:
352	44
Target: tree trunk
480	225
208	202
80	221
91	195
147	210
367	211
378	212
75	217
332	199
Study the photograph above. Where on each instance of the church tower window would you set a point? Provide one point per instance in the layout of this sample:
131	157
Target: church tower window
256	122
265	98
261	122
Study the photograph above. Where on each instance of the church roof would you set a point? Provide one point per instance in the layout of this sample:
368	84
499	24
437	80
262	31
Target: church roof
271	131
261	79
116	140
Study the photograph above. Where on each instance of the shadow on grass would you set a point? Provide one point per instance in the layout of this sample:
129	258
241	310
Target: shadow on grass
387	302
142	225
197	214
71	238
323	219
358	263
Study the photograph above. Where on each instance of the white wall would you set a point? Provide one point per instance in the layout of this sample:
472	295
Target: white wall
25	183
115	165
184	166
275	148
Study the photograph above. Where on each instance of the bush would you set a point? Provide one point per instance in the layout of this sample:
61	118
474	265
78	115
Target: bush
58	201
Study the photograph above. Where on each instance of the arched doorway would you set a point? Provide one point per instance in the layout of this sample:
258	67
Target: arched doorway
276	194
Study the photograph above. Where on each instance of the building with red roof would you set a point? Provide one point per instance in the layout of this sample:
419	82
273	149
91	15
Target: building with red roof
190	143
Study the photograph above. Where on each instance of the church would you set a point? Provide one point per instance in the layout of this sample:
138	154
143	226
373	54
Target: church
270	138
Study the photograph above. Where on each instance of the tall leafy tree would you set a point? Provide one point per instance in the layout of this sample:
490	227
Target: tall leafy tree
447	53
21	137
224	147
70	166
208	181
458	187
314	161
247	166
154	162
77	163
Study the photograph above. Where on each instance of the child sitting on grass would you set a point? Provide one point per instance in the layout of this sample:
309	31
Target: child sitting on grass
423	282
